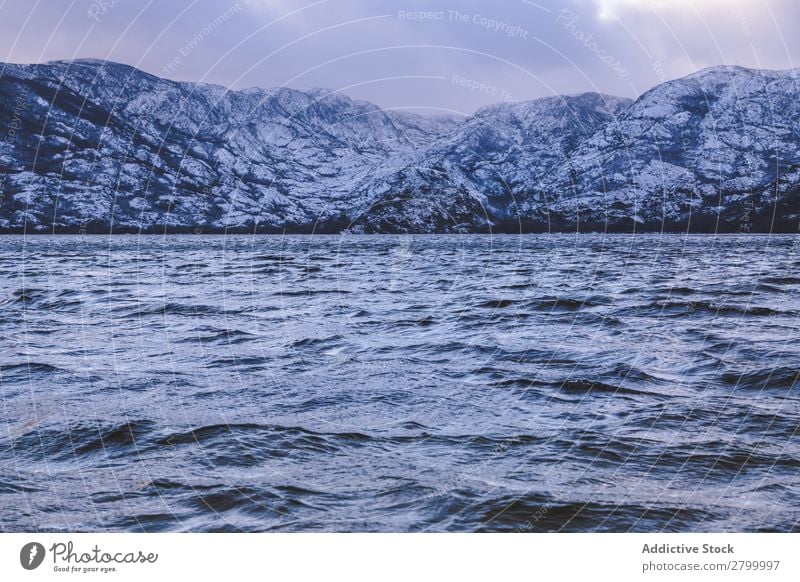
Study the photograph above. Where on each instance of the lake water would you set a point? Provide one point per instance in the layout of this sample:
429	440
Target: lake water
390	383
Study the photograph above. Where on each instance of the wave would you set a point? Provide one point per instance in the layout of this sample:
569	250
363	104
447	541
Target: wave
596	387
708	307
220	336
497	303
72	441
537	513
777	378
292	436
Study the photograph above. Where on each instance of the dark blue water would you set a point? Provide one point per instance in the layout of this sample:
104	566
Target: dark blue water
475	383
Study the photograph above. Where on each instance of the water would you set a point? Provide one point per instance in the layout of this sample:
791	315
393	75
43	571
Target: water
442	383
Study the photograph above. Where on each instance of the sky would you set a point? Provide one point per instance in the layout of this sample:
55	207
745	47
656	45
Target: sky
431	56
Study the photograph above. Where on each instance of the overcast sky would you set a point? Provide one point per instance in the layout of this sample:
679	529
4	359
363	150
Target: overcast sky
429	55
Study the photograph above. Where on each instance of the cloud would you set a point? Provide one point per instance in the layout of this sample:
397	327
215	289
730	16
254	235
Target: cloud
610	9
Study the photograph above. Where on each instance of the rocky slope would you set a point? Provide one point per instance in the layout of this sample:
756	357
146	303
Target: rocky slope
102	144
480	176
97	146
706	147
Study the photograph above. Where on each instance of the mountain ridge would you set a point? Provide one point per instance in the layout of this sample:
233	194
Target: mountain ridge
103	147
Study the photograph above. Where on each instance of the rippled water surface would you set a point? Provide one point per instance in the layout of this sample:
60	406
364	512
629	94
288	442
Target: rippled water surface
477	383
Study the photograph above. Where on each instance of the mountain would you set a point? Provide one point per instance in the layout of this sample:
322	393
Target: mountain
99	146
103	143
480	176
706	147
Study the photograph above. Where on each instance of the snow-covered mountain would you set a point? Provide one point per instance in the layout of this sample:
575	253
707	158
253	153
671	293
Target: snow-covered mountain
96	145
715	146
481	175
